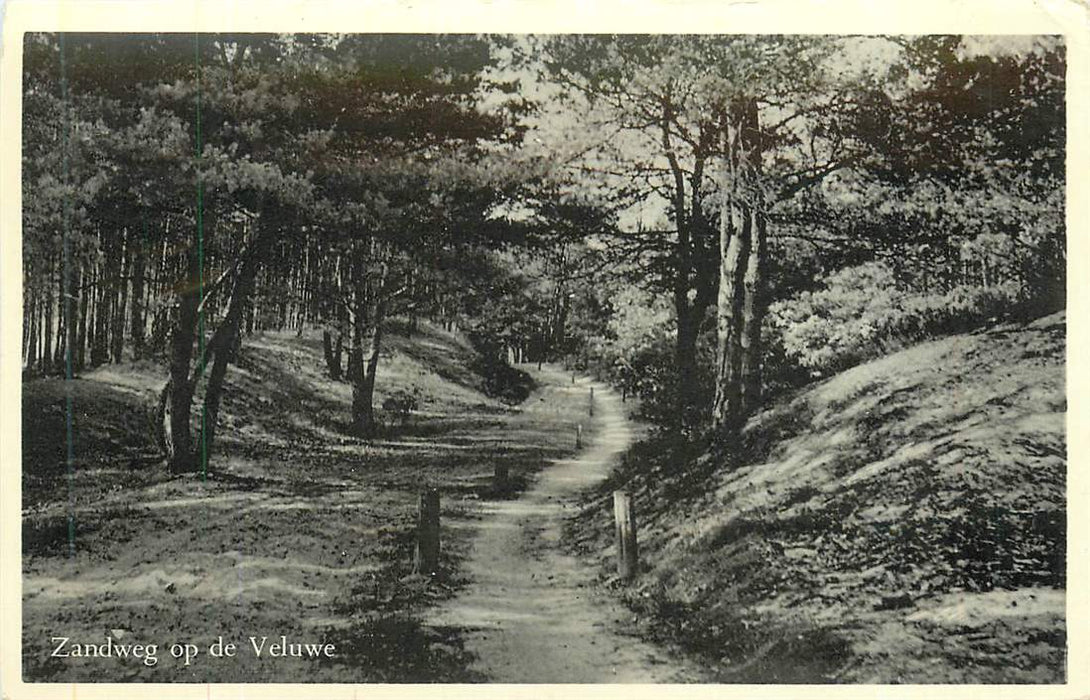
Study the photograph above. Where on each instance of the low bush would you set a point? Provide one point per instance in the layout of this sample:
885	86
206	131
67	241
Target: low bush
501	380
400	404
862	314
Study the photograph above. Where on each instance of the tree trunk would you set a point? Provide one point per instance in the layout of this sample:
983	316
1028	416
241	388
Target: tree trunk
689	253
356	374
62	320
734	251
223	342
138	255
99	346
753	313
30	355
177	399
332	358
688	331
107	282
117	344
81	335
740	307
45	358
363	393
71	321
355	353
92	312
370	309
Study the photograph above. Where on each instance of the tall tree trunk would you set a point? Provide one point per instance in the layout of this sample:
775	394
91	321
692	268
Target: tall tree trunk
117	344
92	311
338	354
81	336
138	254
30	353
99	346
688	220
370	311
63	315
753	312
46	357
107	284
359	323
363	393
71	320
355	348
176	400
734	252
223	343
740	307
685	357
332	358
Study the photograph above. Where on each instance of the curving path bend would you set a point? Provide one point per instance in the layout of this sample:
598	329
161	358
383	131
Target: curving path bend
531	614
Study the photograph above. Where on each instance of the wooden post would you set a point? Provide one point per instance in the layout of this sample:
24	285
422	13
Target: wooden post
624	394
499	478
592	401
579	436
627	554
573	377
426	557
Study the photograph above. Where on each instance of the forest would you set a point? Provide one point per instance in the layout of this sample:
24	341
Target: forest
707	224
704	220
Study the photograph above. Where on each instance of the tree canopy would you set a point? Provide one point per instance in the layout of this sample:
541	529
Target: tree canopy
708	218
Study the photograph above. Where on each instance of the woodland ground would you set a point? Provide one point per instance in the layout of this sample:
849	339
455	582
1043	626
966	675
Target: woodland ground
299	529
901	522
531	612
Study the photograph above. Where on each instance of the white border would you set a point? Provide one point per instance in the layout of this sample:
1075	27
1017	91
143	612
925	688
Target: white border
539	16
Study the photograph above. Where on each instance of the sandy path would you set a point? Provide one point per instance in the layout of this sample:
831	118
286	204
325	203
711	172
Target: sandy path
530	614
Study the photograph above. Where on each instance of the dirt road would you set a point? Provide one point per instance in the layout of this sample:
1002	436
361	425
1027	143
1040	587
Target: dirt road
531	614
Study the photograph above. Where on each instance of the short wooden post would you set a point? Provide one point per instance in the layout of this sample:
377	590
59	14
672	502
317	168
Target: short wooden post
624	394
539	364
627	553
579	436
426	557
573	377
499	478
592	401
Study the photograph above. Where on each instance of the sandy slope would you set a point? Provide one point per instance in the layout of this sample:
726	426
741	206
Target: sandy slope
530	613
903	521
300	528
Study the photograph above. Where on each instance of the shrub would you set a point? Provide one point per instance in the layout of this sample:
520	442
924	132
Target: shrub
861	314
400	404
501	380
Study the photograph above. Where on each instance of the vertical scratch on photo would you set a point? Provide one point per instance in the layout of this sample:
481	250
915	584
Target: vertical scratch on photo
200	259
67	253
